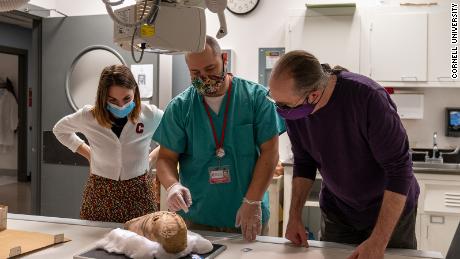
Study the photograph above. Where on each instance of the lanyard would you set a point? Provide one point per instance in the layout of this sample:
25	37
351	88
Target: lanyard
219	144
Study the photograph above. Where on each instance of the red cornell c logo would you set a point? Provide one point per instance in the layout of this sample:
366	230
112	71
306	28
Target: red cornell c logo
140	128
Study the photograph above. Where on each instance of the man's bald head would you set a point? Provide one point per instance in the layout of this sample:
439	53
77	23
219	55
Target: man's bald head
211	44
210	62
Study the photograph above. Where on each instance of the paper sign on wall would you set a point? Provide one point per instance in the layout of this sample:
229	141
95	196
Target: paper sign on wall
270	58
144	78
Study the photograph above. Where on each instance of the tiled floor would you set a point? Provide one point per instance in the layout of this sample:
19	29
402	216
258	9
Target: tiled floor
7	179
16	195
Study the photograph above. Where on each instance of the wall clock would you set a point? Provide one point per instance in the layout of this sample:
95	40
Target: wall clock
242	7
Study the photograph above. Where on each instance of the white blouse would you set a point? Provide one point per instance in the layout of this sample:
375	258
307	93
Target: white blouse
112	157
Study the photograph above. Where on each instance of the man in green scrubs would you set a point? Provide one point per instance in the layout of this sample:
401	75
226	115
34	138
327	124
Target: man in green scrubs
223	133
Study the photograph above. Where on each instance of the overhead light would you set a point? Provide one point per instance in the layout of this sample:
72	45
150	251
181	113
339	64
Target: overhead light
9	5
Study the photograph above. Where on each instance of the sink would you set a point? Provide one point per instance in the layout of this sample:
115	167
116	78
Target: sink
418	155
444	166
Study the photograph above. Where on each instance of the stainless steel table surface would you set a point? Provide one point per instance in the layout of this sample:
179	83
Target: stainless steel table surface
85	233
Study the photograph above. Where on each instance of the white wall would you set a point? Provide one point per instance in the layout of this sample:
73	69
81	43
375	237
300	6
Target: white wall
9	66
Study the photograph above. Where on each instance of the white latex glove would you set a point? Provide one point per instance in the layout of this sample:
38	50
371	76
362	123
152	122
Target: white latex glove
179	197
249	218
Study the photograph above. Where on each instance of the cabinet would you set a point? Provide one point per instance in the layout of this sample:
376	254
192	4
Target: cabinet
408	49
439	47
398	47
311	215
418	230
275	191
438	211
437	231
332	39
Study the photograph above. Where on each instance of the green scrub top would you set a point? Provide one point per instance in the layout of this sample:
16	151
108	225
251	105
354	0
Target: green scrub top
186	130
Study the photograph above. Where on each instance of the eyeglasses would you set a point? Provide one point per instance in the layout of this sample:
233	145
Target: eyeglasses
285	107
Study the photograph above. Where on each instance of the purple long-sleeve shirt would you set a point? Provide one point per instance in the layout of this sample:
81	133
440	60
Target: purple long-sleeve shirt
360	147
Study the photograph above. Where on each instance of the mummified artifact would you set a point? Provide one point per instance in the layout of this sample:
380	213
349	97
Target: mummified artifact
164	227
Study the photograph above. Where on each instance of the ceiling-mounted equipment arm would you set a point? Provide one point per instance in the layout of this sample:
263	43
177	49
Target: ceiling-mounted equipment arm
223	26
149	18
218	7
108	2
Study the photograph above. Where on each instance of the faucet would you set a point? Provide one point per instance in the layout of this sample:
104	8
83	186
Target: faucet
433	158
435	144
455	152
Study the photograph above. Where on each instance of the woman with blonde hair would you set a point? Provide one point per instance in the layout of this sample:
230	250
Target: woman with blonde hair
119	129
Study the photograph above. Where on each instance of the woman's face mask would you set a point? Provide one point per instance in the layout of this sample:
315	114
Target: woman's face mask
121	112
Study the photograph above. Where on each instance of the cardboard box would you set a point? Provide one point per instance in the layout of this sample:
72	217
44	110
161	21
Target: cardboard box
3	216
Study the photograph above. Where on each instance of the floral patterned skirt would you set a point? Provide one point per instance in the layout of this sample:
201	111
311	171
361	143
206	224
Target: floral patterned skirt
118	201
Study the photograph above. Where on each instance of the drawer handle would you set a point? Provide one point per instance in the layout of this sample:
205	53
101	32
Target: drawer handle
404	78
445	79
437	219
449	204
452	194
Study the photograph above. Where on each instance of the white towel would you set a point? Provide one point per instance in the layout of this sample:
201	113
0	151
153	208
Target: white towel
138	247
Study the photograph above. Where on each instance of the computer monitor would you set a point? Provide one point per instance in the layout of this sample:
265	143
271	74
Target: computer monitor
453	122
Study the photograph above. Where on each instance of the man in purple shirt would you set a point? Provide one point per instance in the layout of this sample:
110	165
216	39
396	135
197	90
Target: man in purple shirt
345	125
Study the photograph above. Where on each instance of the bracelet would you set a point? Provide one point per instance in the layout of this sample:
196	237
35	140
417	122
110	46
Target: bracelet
250	202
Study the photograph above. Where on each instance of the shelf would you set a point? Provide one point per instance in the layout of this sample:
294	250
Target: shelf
330	9
337	5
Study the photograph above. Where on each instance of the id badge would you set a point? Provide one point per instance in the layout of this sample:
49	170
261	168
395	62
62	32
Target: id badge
219	175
